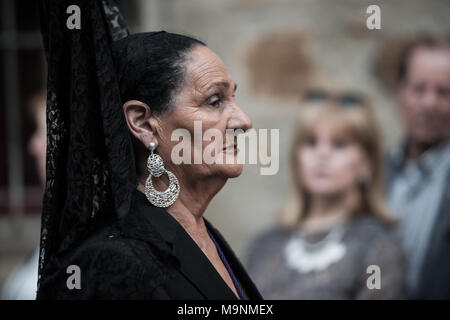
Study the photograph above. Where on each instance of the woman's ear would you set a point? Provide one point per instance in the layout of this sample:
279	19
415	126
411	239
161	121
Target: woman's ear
141	123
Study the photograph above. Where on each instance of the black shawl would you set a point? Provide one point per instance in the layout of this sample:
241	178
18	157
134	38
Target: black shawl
90	162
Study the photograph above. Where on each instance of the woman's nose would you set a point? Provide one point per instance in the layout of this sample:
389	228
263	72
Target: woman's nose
239	120
323	150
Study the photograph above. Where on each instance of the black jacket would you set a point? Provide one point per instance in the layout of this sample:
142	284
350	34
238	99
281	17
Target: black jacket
145	255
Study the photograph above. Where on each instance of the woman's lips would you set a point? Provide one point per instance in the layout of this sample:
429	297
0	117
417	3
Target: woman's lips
232	147
320	173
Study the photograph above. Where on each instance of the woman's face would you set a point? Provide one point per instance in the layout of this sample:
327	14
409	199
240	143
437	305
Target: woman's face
205	102
330	165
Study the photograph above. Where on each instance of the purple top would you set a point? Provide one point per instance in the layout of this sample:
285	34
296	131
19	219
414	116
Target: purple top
227	266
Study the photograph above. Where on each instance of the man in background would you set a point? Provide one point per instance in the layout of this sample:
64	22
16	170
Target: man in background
418	171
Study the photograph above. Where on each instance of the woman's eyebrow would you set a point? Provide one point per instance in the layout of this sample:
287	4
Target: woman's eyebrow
223	85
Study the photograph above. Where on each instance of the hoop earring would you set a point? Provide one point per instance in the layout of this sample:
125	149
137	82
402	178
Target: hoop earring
155	165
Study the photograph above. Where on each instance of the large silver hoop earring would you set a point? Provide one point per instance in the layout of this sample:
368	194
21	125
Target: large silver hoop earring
155	165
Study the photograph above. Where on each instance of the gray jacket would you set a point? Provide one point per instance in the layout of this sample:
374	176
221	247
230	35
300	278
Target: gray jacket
434	280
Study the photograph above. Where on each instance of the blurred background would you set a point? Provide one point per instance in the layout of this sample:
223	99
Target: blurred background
307	41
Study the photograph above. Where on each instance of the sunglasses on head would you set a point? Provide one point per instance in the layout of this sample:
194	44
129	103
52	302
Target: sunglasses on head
348	99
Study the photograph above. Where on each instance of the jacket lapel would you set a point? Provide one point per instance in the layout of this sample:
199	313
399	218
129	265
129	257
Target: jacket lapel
195	266
246	282
145	219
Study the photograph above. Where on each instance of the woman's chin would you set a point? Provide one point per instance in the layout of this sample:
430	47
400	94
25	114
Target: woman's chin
229	166
231	170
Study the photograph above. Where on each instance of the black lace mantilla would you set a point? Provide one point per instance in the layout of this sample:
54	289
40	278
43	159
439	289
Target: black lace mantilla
90	161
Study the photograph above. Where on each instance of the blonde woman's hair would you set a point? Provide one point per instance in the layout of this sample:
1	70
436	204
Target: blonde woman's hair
357	123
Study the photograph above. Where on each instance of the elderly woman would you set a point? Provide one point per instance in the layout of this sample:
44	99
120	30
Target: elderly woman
112	230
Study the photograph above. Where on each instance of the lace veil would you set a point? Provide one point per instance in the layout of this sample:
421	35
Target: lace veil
90	161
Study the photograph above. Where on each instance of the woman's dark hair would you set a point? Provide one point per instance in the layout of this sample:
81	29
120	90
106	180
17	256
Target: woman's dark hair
151	69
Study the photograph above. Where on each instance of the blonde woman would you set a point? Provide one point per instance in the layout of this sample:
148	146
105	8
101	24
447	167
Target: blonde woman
334	239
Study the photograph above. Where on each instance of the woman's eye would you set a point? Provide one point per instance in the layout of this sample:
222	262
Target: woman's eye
214	100
311	141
